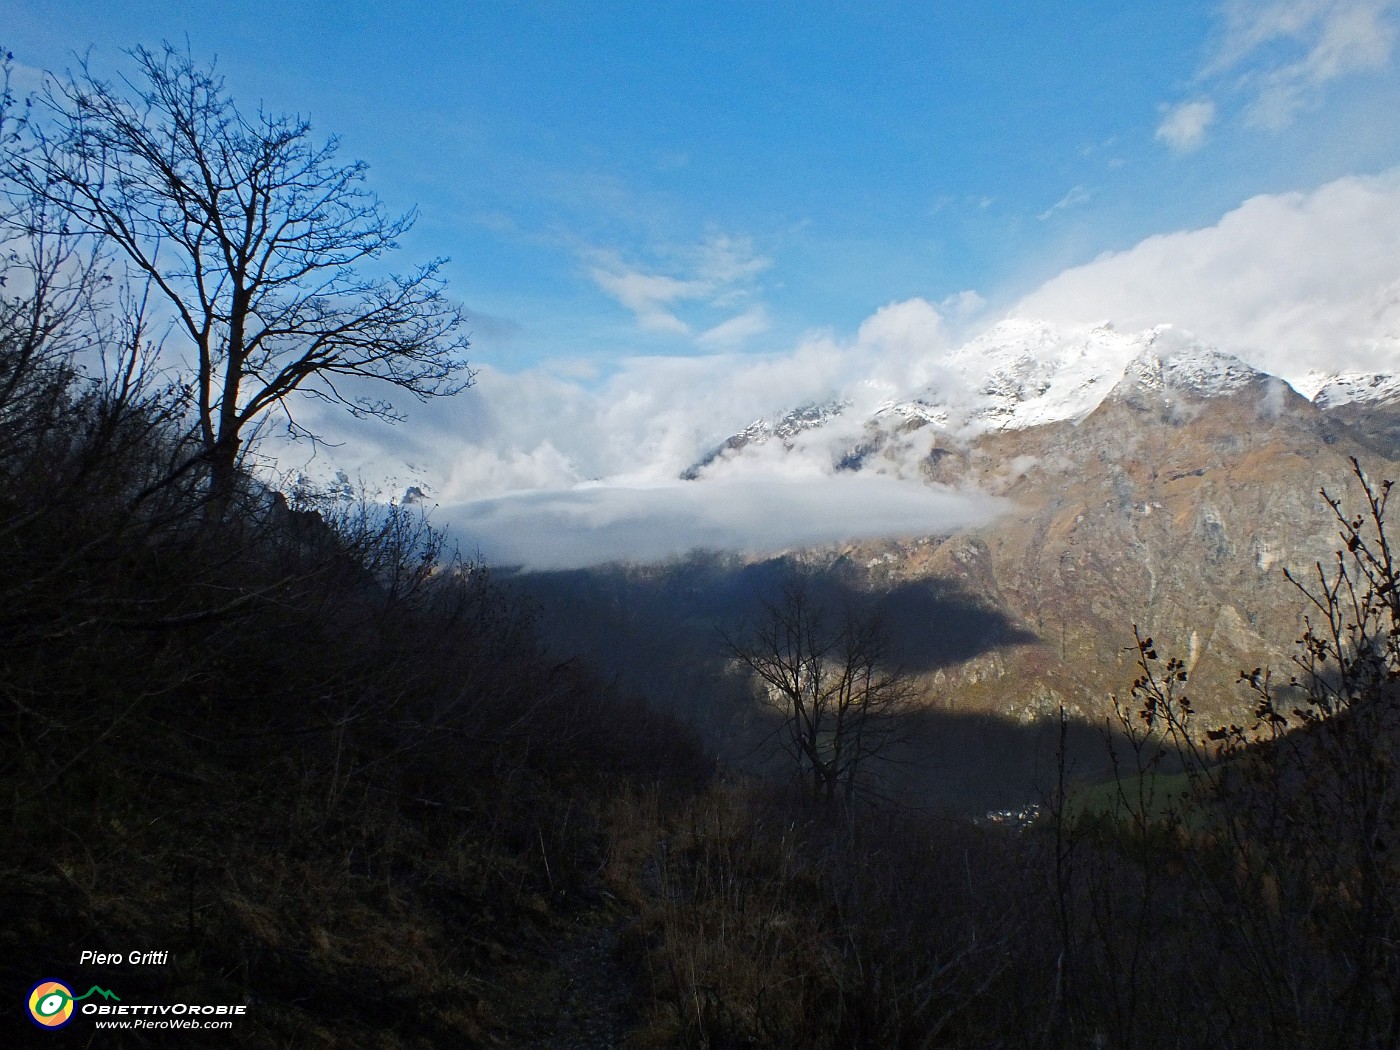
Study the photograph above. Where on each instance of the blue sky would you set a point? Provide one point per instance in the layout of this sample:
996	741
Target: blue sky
668	217
789	166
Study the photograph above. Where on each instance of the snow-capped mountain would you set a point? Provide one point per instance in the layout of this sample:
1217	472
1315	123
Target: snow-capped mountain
1017	375
785	430
1192	370
1156	480
341	478
1021	374
1347	388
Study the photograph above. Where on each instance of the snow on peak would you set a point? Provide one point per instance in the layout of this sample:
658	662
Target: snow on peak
1018	374
1345	388
1024	372
811	416
1021	372
1172	362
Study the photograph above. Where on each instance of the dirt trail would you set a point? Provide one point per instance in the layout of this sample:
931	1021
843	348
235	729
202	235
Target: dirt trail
588	1001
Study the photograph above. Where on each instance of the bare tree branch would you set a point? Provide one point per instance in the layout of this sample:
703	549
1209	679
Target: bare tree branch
827	673
253	233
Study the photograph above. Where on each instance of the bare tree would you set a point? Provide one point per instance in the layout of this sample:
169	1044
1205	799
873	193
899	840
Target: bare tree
826	670
254	234
1286	835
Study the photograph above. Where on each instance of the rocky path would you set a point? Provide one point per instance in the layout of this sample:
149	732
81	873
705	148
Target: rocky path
587	1000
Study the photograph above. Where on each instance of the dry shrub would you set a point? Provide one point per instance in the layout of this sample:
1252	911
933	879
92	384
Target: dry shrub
774	922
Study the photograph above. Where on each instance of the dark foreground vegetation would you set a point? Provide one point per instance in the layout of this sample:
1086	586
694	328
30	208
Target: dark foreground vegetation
332	770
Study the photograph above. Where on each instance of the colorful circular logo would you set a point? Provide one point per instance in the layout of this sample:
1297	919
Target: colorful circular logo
51	1004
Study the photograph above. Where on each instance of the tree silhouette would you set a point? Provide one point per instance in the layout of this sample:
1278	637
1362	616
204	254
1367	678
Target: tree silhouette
825	669
254	234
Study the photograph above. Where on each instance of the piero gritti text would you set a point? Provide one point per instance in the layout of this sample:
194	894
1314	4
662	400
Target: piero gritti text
135	958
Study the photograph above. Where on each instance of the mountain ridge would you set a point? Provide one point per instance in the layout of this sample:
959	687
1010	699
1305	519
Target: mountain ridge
1173	502
1024	373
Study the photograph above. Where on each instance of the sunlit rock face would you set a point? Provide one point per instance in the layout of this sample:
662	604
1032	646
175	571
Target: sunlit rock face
1156	482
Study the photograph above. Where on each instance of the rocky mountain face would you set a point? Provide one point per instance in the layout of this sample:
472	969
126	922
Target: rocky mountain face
1155	482
1364	409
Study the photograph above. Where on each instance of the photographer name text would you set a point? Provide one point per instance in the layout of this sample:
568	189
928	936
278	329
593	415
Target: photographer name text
119	958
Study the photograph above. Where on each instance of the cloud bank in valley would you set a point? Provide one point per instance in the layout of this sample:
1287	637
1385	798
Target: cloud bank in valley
756	513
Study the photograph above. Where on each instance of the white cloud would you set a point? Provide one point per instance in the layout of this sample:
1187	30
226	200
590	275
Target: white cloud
1183	126
962	306
725	260
1350	38
648	295
1076	196
513	469
550	472
910	326
1330	37
1281	54
753	321
554	427
757	513
1291	282
717	274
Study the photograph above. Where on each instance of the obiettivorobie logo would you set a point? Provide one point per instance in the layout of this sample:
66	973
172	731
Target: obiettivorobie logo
51	1002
